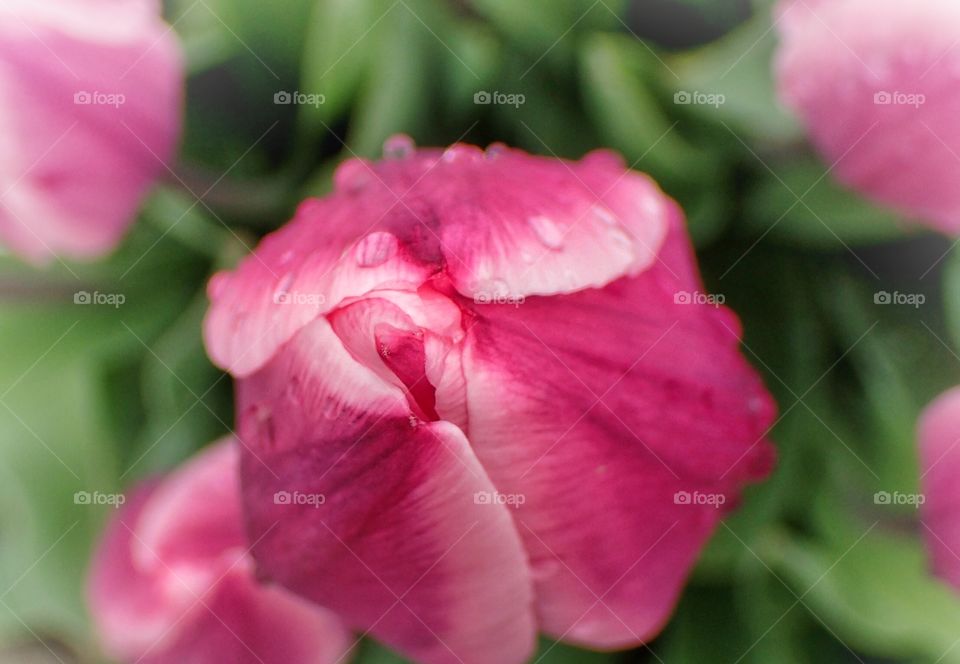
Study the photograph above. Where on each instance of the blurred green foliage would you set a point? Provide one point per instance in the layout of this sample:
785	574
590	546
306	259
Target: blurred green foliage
810	569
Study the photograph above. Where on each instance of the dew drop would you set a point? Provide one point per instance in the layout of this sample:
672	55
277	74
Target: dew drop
460	152
605	216
547	231
492	288
258	427
398	146
604	158
494	150
651	206
283	286
332	409
620	239
375	249
353	174
217	285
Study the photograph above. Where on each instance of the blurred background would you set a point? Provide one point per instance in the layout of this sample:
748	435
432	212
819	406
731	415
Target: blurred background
851	316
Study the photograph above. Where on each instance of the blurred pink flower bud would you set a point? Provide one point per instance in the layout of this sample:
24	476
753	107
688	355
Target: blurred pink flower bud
90	103
939	433
501	373
172	581
876	84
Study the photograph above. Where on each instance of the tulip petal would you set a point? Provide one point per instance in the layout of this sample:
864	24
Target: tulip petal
628	422
245	623
880	97
91	96
461	215
939	432
172	583
504	238
359	505
302	271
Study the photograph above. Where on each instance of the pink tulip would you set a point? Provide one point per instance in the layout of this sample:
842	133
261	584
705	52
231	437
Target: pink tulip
940	466
875	83
90	96
501	375
172	581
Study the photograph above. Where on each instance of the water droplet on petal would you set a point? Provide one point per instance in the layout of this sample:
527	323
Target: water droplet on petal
461	151
280	292
607	158
375	249
398	146
494	150
258	428
491	288
547	231
217	285
652	206
605	216
332	408
620	239
286	257
353	174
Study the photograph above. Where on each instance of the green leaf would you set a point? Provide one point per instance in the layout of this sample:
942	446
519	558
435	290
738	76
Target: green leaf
738	67
471	68
546	28
951	295
395	97
829	215
619	77
874	590
342	36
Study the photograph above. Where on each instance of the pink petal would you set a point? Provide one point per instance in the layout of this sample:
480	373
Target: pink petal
879	97
359	505
597	408
471	215
246	623
939	432
171	581
74	173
